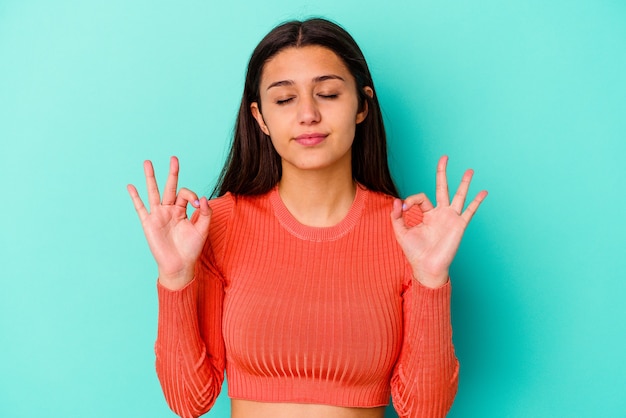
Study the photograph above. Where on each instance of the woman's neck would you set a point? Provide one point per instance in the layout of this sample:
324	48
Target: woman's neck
315	198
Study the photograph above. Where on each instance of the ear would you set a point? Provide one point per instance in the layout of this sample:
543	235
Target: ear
256	113
360	117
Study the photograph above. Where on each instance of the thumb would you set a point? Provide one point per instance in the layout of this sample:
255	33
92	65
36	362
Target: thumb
203	219
397	220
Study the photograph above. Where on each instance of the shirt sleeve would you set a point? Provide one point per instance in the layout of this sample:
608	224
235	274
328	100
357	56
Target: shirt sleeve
425	379
190	353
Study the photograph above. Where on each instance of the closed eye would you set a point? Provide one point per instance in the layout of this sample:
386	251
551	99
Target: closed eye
284	101
328	96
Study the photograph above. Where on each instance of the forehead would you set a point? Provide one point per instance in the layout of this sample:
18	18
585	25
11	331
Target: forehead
303	64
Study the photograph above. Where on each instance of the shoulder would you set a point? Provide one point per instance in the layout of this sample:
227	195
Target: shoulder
376	206
232	205
230	208
382	202
377	199
222	207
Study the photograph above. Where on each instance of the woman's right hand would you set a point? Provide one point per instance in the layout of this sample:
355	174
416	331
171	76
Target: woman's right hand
175	241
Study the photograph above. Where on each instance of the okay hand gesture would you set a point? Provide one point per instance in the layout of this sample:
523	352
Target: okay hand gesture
431	245
175	241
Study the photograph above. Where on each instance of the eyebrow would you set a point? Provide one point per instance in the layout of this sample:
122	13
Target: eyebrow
315	80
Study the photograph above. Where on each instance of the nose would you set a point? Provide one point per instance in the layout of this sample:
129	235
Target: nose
308	111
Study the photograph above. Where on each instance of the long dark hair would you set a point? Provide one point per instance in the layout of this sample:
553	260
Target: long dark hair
253	165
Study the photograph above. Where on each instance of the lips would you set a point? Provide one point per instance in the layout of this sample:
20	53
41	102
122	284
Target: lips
310	139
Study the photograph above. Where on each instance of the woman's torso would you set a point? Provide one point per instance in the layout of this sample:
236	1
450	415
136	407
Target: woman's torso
311	315
247	409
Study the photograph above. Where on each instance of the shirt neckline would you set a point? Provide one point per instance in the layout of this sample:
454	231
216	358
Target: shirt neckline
313	233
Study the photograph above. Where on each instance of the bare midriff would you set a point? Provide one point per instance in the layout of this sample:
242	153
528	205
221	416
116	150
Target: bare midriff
250	409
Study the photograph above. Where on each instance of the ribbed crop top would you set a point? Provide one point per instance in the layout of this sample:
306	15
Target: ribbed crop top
307	315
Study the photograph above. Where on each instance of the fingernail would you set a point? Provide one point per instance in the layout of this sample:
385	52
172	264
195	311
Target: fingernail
404	206
196	202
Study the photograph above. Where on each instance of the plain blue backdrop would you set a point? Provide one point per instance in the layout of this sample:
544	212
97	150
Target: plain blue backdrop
531	94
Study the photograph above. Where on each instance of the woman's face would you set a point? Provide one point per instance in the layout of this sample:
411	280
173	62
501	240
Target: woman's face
309	108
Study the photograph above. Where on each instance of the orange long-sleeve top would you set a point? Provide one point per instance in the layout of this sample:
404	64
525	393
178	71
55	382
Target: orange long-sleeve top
304	314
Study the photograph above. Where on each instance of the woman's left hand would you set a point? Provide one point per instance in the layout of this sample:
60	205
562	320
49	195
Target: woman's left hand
431	245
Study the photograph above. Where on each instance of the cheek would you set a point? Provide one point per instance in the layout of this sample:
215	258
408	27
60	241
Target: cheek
278	142
349	121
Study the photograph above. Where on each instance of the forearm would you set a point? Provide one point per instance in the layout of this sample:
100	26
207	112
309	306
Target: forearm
191	379
426	377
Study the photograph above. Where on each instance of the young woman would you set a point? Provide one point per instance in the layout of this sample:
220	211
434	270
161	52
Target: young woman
308	280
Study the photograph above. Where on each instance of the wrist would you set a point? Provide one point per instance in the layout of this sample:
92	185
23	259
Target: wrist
175	281
432	281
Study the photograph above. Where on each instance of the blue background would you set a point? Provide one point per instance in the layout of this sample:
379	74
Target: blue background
529	93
